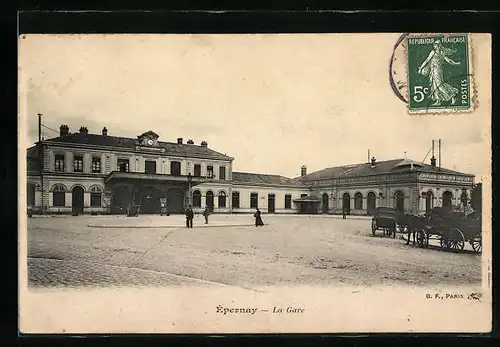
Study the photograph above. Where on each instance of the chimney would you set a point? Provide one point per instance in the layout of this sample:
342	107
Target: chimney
433	161
104	131
373	162
84	130
204	144
63	130
179	140
190	142
303	170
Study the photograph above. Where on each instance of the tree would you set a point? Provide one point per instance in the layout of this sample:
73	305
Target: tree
476	197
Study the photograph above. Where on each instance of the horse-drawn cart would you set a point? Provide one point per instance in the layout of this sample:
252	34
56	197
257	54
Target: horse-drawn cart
453	230
385	218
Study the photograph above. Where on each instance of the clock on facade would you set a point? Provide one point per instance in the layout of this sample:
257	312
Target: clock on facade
150	142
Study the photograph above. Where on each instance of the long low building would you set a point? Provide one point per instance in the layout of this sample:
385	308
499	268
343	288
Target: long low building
99	173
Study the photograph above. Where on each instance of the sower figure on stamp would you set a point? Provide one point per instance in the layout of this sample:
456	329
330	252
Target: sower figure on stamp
206	212
189	217
258	219
433	67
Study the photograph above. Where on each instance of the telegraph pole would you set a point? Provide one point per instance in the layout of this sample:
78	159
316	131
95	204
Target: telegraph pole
40	157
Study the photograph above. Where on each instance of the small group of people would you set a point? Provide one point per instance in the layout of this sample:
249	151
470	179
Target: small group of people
206	212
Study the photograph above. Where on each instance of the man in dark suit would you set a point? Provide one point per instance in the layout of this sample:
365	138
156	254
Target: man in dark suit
189	217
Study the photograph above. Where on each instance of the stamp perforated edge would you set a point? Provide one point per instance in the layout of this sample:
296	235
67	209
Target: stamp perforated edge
450	110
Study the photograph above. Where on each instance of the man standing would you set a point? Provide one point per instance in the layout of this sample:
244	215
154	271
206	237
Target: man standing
206	212
189	217
344	212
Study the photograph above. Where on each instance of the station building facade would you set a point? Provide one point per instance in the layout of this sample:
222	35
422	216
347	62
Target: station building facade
99	173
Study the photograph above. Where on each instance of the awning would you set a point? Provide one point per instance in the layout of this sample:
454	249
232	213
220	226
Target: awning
141	176
308	199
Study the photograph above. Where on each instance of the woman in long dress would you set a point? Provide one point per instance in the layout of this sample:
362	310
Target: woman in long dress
258	219
433	67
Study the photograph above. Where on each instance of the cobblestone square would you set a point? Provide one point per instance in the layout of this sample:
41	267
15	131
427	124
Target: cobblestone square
155	250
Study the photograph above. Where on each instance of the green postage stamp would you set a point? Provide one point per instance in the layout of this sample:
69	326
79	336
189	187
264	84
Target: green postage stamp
439	73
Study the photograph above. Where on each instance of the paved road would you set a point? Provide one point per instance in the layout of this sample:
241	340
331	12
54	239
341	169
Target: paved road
288	250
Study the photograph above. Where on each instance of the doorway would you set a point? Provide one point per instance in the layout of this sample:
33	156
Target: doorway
77	199
325	207
271	205
371	203
175	200
346	203
400	202
149	200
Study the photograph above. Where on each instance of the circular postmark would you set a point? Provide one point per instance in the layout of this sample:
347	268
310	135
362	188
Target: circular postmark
397	69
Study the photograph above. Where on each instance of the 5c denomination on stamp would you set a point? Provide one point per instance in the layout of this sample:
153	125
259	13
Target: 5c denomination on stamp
439	73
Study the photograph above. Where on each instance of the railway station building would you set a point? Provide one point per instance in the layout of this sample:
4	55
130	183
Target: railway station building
99	173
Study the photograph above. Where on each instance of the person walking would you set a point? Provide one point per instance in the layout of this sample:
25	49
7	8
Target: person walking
189	217
344	212
258	218
206	212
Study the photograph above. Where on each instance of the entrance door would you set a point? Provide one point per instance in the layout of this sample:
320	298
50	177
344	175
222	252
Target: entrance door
271	203
325	203
346	203
400	202
209	196
371	203
77	199
447	200
149	200
175	200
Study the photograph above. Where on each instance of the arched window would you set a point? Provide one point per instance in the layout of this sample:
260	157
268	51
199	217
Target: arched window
196	198
371	203
222	199
358	201
429	201
325	202
58	195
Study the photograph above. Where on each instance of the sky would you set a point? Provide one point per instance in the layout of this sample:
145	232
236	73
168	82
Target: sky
273	102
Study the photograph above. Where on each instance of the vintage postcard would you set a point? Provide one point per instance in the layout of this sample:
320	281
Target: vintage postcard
277	183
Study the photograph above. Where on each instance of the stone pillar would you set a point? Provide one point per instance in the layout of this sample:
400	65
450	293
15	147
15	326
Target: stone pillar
68	162
68	199
87	163
86	199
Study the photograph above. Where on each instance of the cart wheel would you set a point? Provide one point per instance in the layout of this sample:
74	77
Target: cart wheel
444	242
374	226
457	240
421	238
476	243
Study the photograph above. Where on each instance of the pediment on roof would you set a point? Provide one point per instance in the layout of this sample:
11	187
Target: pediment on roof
149	138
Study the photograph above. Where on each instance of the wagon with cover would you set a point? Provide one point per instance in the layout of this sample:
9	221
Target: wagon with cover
385	219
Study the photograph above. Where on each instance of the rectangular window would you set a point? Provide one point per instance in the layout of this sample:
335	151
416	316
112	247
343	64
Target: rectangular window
78	163
150	167
303	195
210	171
197	170
59	162
58	199
175	168
222	173
95	199
96	165
236	200
288	201
254	200
123	165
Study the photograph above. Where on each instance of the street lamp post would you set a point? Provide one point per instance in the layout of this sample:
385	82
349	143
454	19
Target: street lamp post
190	178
